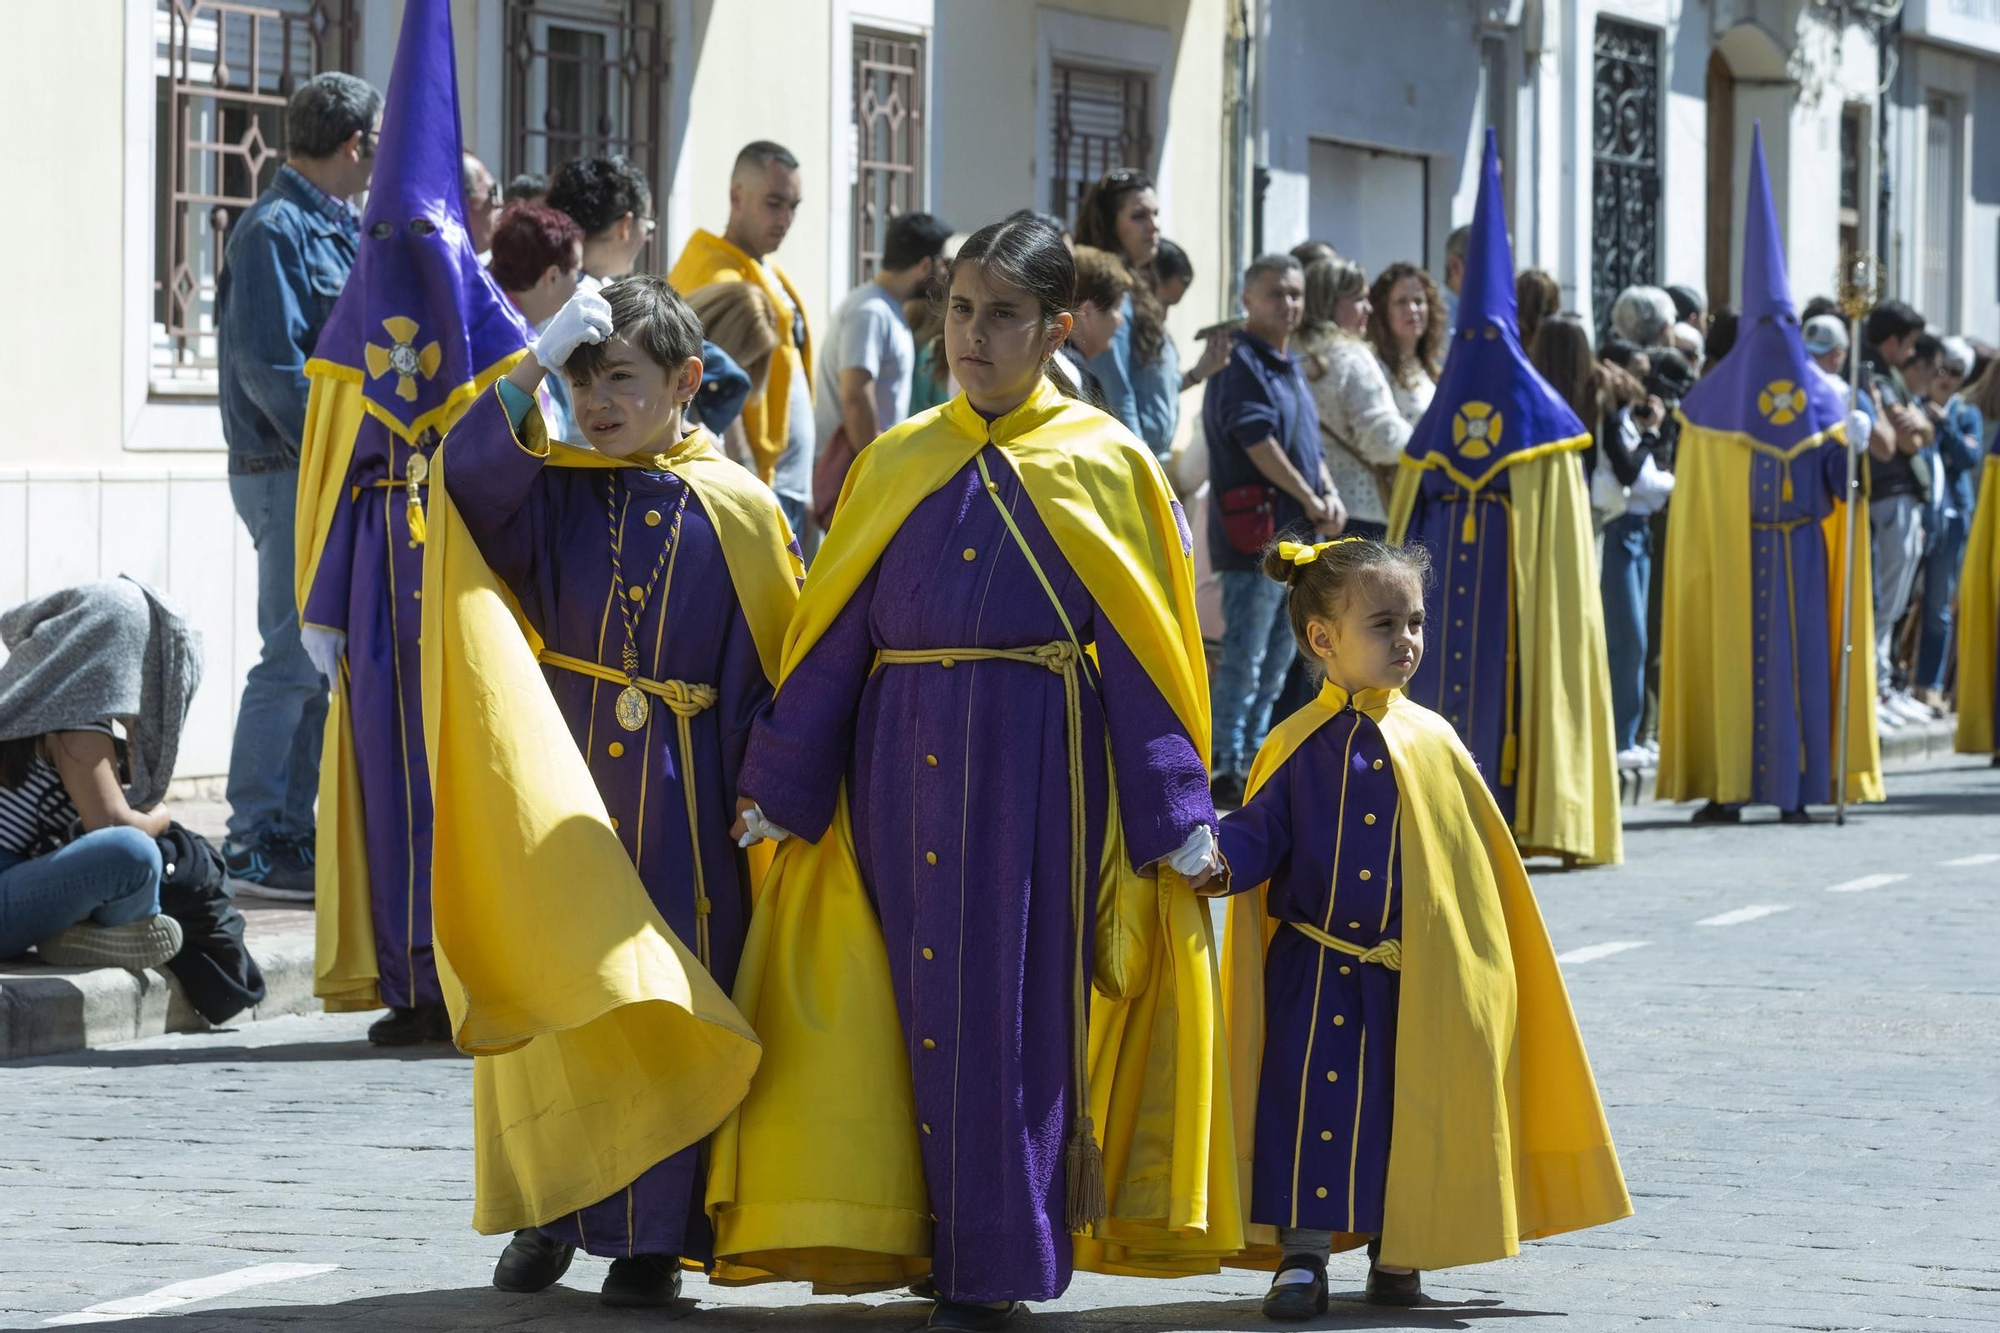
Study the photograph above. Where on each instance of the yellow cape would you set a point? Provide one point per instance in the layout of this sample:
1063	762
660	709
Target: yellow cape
709	258
1566	778
1978	612
1499	1134
604	1045
344	967
818	1176
1707	693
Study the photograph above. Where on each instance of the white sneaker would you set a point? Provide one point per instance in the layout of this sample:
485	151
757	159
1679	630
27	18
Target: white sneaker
1909	708
1651	745
1636	757
1885	719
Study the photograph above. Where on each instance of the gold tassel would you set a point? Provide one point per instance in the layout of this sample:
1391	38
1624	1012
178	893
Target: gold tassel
1508	754
1787	491
1471	530
1083	1166
415	514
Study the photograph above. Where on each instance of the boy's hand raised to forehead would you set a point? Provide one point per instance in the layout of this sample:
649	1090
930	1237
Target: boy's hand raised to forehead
585	319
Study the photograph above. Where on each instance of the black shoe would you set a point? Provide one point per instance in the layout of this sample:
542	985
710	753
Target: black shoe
643	1281
1391	1288
1798	816
1226	790
1717	813
532	1262
925	1288
269	868
1294	1301
409	1027
961	1315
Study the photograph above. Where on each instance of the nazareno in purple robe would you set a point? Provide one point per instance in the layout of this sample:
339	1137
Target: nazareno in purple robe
1324	831
959	788
546	533
366	586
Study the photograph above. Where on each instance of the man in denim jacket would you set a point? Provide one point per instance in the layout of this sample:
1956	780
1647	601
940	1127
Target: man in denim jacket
286	261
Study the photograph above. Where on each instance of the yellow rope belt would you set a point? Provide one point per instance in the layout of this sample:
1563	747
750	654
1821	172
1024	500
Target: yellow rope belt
687	702
1062	658
1787	525
1389	953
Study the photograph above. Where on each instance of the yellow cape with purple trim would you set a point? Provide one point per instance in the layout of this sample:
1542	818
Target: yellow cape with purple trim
819	1176
1499	1134
604	1046
1979	620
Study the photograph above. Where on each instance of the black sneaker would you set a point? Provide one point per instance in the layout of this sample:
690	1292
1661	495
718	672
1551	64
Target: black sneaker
411	1027
268	868
642	1281
306	847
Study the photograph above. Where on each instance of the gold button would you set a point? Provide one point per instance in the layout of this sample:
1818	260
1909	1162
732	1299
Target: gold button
1367	819
652	518
418	594
1458	624
614	823
1320	1192
929	954
931	857
929	1045
636	594
948	663
1458	657
993	486
969	554
1367	875
1461	591
925	1128
1326	1136
614	749
1333	1076
1378	763
1340	1020
1345	970
931	759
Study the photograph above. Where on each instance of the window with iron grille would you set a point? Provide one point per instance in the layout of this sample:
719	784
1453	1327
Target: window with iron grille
587	78
1625	163
1103	120
1850	179
888	140
223	73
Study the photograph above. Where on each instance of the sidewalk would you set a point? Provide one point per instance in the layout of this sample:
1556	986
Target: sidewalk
1906	747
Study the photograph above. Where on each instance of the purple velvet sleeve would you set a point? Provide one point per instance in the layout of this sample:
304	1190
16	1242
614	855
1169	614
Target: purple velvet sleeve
743	693
493	474
1162	782
1257	839
326	599
799	749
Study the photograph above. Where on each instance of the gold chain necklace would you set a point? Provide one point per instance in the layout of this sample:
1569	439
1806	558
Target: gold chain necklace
633	708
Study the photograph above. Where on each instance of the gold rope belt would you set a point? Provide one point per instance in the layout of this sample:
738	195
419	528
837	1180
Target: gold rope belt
1786	525
1389	953
1061	657
687	702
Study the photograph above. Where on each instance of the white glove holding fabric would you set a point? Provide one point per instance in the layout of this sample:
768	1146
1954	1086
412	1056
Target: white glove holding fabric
325	647
585	319
760	829
1197	854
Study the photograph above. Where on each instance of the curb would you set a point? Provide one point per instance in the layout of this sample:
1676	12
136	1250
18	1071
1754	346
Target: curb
1905	747
54	1010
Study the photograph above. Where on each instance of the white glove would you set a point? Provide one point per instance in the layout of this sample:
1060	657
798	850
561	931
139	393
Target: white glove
760	829
585	319
325	647
1196	854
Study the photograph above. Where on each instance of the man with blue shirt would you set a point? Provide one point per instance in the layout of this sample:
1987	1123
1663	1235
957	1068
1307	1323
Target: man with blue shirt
1267	479
287	258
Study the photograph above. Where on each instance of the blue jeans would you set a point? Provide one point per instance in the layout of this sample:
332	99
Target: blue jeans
281	722
1941	567
1623	580
111	876
1257	650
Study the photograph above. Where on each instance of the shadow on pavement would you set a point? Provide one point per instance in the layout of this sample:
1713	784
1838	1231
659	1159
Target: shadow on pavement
304	1052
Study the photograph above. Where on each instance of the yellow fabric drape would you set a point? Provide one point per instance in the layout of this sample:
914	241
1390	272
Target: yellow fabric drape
1707	632
1566	774
1979	619
819	1176
766	417
1499	1135
604	1046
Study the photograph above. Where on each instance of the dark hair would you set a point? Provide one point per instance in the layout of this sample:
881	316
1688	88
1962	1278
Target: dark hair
1049	220
1928	347
911	239
1459	241
528	185
1263	264
1430	343
1561	352
1672	377
1101	278
762	153
1171	262
1687	302
1320	586
1309	253
648	313
597	191
1822	305
326	111
1536	297
1024	252
526	240
1620	352
1097	225
1721	337
1891	319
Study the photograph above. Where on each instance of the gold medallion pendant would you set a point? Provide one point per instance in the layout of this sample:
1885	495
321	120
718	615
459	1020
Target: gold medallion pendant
632	708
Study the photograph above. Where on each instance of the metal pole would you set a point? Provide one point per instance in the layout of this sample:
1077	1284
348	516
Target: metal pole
1847	585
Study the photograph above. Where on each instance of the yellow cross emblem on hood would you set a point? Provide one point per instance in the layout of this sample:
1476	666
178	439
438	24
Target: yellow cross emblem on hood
403	357
1782	402
1475	429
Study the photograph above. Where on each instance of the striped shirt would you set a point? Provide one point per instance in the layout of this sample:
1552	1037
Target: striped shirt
38	816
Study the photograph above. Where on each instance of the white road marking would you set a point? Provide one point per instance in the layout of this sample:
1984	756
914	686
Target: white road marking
196	1289
1742	914
1865	882
1590	953
1978	859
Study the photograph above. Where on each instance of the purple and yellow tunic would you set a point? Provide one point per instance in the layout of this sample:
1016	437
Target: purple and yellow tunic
957	775
1324	830
549	534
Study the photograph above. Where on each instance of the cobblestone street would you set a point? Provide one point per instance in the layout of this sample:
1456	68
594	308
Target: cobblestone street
1796	1031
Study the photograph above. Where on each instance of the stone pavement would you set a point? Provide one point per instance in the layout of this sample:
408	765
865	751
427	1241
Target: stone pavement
1798	1046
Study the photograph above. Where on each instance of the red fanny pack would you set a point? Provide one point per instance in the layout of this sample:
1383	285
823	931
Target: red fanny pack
1250	517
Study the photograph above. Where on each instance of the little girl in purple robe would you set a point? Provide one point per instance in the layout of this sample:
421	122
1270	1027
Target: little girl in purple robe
1389	895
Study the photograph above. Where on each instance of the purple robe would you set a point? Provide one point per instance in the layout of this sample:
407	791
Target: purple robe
546	533
1792	662
367	586
1465	675
960	800
1324	831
